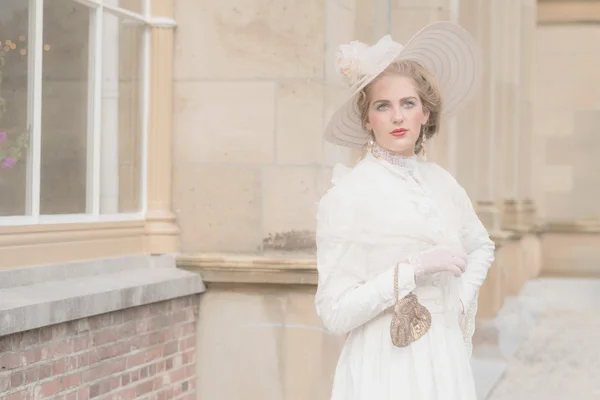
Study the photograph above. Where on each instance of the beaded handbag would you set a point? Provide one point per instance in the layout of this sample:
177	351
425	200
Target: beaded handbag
411	320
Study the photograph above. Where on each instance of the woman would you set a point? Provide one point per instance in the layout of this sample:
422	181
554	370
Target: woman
396	225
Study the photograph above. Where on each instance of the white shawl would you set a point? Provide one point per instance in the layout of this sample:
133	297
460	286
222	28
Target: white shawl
376	216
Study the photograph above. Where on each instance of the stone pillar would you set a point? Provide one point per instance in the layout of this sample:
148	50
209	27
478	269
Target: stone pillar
527	149
470	122
511	120
487	154
162	233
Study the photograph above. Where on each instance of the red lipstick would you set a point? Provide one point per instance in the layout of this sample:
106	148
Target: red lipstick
398	132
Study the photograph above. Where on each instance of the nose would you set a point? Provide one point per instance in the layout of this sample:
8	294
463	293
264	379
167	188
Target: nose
398	116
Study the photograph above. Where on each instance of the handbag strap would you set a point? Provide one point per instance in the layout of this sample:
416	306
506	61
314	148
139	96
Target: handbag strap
396	282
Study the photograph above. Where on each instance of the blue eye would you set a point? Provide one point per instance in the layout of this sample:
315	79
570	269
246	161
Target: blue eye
410	104
381	107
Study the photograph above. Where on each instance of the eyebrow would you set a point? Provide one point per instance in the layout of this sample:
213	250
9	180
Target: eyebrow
402	99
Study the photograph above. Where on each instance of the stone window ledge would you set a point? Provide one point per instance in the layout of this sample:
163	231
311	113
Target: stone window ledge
34	297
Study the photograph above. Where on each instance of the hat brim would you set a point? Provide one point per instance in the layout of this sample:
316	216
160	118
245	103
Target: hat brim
447	50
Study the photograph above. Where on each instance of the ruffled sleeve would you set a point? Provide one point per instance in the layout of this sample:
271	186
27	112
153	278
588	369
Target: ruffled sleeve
480	249
346	300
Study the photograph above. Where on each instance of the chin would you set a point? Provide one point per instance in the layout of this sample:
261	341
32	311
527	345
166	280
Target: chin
400	148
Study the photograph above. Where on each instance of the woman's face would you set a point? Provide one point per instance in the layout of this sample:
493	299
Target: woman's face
395	114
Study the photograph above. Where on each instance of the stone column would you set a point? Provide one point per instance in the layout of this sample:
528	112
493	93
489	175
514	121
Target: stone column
162	233
487	151
470	122
528	25
511	121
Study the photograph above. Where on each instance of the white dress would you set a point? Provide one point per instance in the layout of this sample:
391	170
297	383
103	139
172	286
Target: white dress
375	216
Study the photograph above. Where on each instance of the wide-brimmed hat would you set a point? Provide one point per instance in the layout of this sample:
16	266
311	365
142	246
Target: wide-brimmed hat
448	52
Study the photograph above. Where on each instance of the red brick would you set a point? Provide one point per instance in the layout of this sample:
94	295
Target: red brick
186	329
177	375
185	386
190	371
105	386
135	359
153	354
135	375
160	366
60	349
81	343
83	393
111	351
63	365
125	379
181	316
159	322
128	329
143	373
127	394
158	382
83	360
31	375
170	348
144	387
32	356
21	395
71	396
83	325
48	389
6	344
188	357
71	381
30	338
116	318
45	371
5	382
104	337
10	361
159	308
157	338
103	370
99	321
188	343
16	379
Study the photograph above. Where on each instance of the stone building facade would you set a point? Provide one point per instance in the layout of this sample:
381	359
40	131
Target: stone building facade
157	234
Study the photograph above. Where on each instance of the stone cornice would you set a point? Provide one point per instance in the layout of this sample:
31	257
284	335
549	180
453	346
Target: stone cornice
290	269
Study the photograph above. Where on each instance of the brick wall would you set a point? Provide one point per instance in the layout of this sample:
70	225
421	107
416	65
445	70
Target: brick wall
145	352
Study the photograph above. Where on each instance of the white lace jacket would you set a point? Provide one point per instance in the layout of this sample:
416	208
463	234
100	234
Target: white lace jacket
377	215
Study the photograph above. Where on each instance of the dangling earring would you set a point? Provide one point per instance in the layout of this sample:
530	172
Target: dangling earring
423	151
371	142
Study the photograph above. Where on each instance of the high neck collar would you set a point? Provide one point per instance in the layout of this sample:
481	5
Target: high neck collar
404	162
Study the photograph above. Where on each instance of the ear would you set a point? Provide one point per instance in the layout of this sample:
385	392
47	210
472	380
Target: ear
368	125
425	117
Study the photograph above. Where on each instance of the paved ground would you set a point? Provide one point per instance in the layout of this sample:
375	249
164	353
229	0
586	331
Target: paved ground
549	344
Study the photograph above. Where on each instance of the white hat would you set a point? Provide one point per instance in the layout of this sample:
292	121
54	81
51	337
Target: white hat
448	51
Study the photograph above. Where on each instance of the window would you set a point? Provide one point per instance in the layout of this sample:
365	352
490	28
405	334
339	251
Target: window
73	110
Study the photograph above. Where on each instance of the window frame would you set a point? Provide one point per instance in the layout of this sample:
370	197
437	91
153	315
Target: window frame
50	239
97	8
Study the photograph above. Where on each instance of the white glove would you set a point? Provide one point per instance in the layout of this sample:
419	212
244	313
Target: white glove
439	259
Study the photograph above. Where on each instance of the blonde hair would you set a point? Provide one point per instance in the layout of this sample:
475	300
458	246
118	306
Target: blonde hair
427	89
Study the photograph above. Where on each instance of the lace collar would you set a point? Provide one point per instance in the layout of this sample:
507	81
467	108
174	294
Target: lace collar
404	162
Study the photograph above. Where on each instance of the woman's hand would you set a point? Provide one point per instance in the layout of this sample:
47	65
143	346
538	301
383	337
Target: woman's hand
440	258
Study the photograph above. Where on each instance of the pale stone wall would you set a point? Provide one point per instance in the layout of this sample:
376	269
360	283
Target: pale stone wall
567	120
